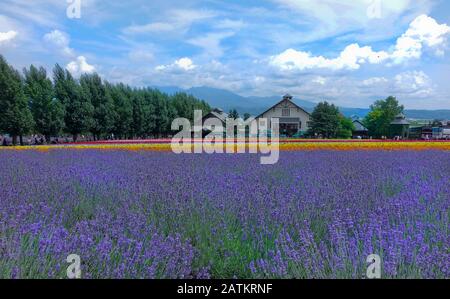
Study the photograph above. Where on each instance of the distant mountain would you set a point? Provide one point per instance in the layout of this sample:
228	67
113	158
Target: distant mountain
428	114
227	100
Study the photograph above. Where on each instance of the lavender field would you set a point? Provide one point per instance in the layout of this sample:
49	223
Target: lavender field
146	214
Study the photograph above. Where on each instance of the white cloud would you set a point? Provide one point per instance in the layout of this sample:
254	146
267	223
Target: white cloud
7	36
332	18
176	20
60	40
409	86
351	58
80	66
374	81
415	83
230	24
319	80
423	32
141	55
211	43
150	28
184	64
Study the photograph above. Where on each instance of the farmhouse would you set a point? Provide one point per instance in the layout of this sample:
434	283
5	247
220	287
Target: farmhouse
292	118
360	130
218	114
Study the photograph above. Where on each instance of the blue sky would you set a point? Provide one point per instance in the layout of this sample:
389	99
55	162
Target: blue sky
349	52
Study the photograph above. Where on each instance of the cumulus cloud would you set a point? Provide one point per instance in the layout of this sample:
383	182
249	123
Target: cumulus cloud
184	64
7	36
415	83
351	58
423	32
60	40
80	66
409	86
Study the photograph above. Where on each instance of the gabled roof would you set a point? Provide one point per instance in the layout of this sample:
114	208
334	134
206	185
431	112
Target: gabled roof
359	126
217	113
288	98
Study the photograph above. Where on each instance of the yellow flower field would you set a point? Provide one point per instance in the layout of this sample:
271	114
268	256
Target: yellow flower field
284	146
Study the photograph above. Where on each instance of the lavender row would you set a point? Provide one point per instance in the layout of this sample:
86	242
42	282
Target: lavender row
160	215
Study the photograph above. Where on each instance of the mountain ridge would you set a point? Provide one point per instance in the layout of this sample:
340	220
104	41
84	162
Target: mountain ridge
221	98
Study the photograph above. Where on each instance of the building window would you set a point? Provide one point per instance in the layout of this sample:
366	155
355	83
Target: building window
286	112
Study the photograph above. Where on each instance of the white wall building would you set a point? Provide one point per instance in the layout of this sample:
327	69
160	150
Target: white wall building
292	118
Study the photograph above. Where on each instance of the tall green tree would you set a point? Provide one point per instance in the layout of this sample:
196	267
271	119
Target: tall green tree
382	113
15	116
233	114
48	112
78	110
123	110
103	115
162	119
325	120
346	127
185	104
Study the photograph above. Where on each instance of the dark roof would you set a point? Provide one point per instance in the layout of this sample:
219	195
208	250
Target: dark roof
286	97
359	126
217	113
400	119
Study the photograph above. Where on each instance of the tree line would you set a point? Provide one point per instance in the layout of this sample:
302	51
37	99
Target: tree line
33	103
327	121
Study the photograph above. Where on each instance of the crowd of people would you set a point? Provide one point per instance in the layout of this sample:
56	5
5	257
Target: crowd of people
6	140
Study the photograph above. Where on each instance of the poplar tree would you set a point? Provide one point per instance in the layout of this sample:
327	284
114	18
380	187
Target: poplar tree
78	108
15	115
47	111
103	114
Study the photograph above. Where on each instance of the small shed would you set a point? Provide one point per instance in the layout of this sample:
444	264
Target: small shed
399	127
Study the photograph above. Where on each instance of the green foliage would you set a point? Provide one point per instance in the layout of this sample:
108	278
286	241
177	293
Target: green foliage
87	105
123	110
382	113
233	114
346	127
325	120
15	116
102	103
48	113
78	108
185	105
